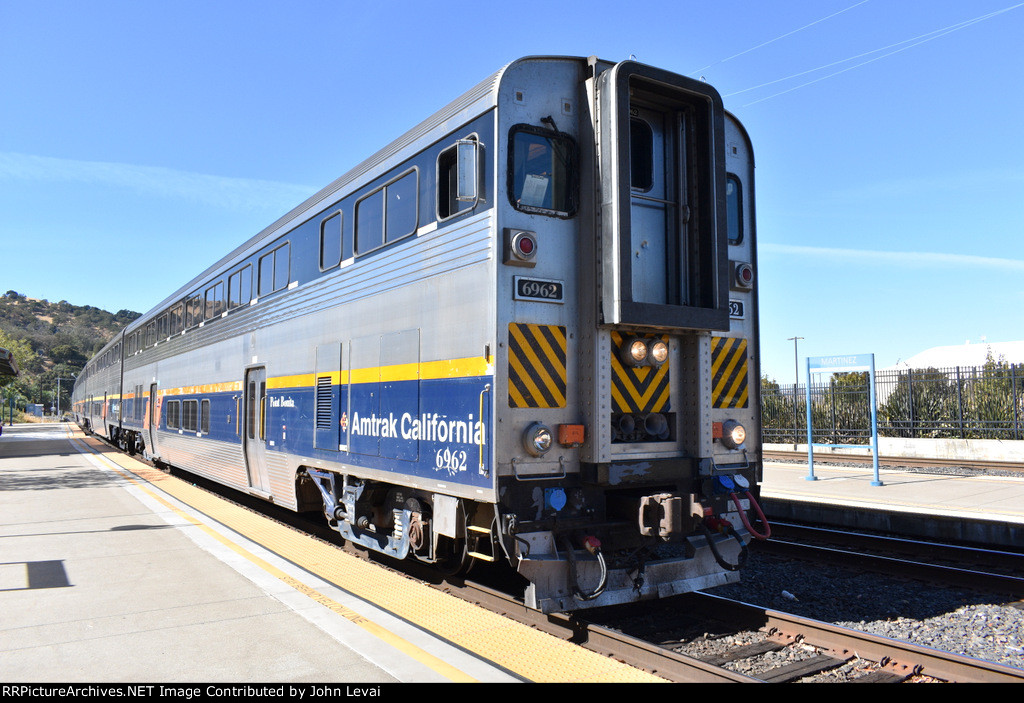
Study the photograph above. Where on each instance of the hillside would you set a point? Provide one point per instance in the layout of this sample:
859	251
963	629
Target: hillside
51	341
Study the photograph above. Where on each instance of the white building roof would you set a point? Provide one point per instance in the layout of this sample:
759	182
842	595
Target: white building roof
968	354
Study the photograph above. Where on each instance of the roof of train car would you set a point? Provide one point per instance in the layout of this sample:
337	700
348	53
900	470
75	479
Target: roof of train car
473	102
476	101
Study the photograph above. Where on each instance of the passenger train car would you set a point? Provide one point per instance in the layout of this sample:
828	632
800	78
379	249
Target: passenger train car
525	331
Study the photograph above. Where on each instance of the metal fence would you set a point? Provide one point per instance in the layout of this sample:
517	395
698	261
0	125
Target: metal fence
983	402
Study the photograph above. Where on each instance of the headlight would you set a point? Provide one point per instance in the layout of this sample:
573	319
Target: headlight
635	352
659	352
537	439
733	434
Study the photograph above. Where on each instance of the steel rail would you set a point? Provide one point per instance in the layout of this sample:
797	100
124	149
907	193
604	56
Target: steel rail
960	554
634	651
935	573
901	658
895	461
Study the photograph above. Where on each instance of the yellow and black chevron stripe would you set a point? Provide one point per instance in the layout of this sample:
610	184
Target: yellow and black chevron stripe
642	389
729	372
536	366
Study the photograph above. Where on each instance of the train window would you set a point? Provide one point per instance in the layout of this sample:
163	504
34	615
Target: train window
177	316
450	170
274	270
214	301
163	326
250	414
240	287
266	282
193	311
387	214
282	267
204	417
150	334
330	242
734	209
641	155
190	415
173	414
370	222
400	210
542	165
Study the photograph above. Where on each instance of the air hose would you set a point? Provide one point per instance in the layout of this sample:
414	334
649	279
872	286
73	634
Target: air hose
760	515
594	547
724	526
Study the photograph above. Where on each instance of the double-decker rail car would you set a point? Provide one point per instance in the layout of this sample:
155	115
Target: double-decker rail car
525	331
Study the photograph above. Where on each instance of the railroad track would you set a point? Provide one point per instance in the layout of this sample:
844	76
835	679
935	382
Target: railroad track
823	646
957	565
895	462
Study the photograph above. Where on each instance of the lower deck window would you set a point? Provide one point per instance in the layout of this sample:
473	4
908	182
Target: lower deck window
174	415
190	415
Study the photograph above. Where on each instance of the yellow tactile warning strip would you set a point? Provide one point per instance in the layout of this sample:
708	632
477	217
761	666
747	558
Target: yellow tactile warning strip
527	653
729	372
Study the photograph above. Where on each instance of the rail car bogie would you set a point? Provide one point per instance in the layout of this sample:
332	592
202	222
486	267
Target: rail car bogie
525	332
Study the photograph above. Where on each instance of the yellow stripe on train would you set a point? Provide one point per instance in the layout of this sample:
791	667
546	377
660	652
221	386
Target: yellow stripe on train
729	372
643	389
536	366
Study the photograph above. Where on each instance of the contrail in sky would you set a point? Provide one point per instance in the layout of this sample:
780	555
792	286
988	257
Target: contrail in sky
222	191
896	258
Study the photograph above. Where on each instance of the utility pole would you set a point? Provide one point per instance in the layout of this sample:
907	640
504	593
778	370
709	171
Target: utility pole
796	382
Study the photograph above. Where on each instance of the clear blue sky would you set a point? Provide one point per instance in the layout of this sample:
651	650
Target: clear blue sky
141	141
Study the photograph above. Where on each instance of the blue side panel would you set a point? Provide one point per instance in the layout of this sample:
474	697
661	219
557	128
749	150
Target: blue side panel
399	400
430	429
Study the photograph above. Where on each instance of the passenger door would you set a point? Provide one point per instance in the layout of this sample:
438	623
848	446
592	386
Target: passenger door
150	422
254	441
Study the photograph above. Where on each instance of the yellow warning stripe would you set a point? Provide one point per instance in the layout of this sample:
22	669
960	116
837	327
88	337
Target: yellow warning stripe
729	372
537	376
638	389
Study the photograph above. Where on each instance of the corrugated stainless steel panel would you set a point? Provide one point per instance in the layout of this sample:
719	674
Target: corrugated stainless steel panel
433	254
475	102
218	461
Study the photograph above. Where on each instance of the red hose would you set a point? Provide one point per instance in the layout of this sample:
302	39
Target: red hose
760	515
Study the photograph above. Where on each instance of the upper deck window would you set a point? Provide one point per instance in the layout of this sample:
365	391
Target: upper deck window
193	311
331	241
387	214
214	301
542	168
274	270
240	287
458	187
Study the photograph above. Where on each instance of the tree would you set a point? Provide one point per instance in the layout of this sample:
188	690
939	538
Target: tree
924	404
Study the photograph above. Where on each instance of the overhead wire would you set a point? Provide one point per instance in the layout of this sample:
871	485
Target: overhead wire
781	36
911	43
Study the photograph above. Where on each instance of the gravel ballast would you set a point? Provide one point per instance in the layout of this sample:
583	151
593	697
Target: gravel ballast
961	621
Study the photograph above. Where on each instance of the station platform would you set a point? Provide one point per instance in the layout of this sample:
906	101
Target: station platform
982	510
112	571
